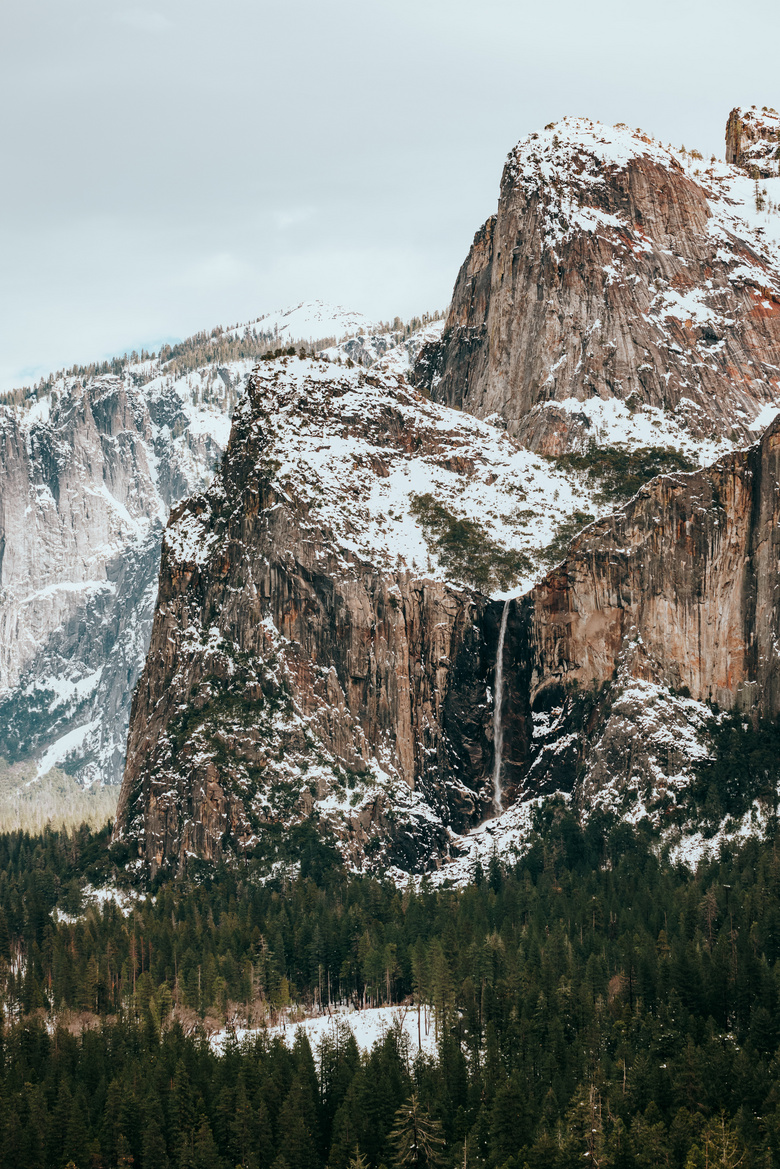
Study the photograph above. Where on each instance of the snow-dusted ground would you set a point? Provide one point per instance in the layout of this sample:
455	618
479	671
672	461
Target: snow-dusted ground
311	320
613	424
368	1027
505	837
690	849
124	899
341	441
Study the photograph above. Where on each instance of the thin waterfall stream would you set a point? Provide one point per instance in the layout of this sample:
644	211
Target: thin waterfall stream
498	726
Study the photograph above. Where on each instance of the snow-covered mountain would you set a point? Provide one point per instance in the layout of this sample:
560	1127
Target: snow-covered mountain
89	474
313	321
420	597
89	471
359	623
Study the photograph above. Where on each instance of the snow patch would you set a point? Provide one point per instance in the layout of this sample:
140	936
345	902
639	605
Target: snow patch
369	1026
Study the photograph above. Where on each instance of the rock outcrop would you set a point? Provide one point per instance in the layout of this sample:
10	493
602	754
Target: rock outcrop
678	590
753	141
613	269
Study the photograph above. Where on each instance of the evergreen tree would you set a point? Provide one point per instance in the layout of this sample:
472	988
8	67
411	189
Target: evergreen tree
416	1138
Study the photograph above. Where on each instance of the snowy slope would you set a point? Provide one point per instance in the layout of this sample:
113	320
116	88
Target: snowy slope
368	1026
471	468
312	320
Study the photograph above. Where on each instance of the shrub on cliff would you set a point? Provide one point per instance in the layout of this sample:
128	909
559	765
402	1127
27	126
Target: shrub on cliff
620	472
465	551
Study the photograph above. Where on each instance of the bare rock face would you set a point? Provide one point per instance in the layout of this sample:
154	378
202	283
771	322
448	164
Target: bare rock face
677	592
753	141
612	270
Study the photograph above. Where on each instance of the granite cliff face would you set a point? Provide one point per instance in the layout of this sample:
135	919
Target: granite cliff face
678	592
302	666
319	646
614	270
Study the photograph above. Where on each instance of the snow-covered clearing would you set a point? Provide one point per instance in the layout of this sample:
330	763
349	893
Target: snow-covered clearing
368	1026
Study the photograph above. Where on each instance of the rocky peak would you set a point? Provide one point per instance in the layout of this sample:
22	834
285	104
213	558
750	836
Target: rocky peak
753	141
613	269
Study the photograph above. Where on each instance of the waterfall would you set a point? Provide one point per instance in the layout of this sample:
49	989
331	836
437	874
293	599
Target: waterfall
498	726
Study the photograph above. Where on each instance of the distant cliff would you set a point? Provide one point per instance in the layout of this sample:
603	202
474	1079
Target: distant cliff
87	478
753	141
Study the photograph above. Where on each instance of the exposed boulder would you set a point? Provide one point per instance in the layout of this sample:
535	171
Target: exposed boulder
753	141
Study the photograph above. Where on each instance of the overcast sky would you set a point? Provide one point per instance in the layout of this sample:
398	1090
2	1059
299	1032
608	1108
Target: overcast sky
174	166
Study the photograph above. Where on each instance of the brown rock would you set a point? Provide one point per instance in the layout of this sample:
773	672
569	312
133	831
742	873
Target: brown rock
680	588
281	676
608	271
